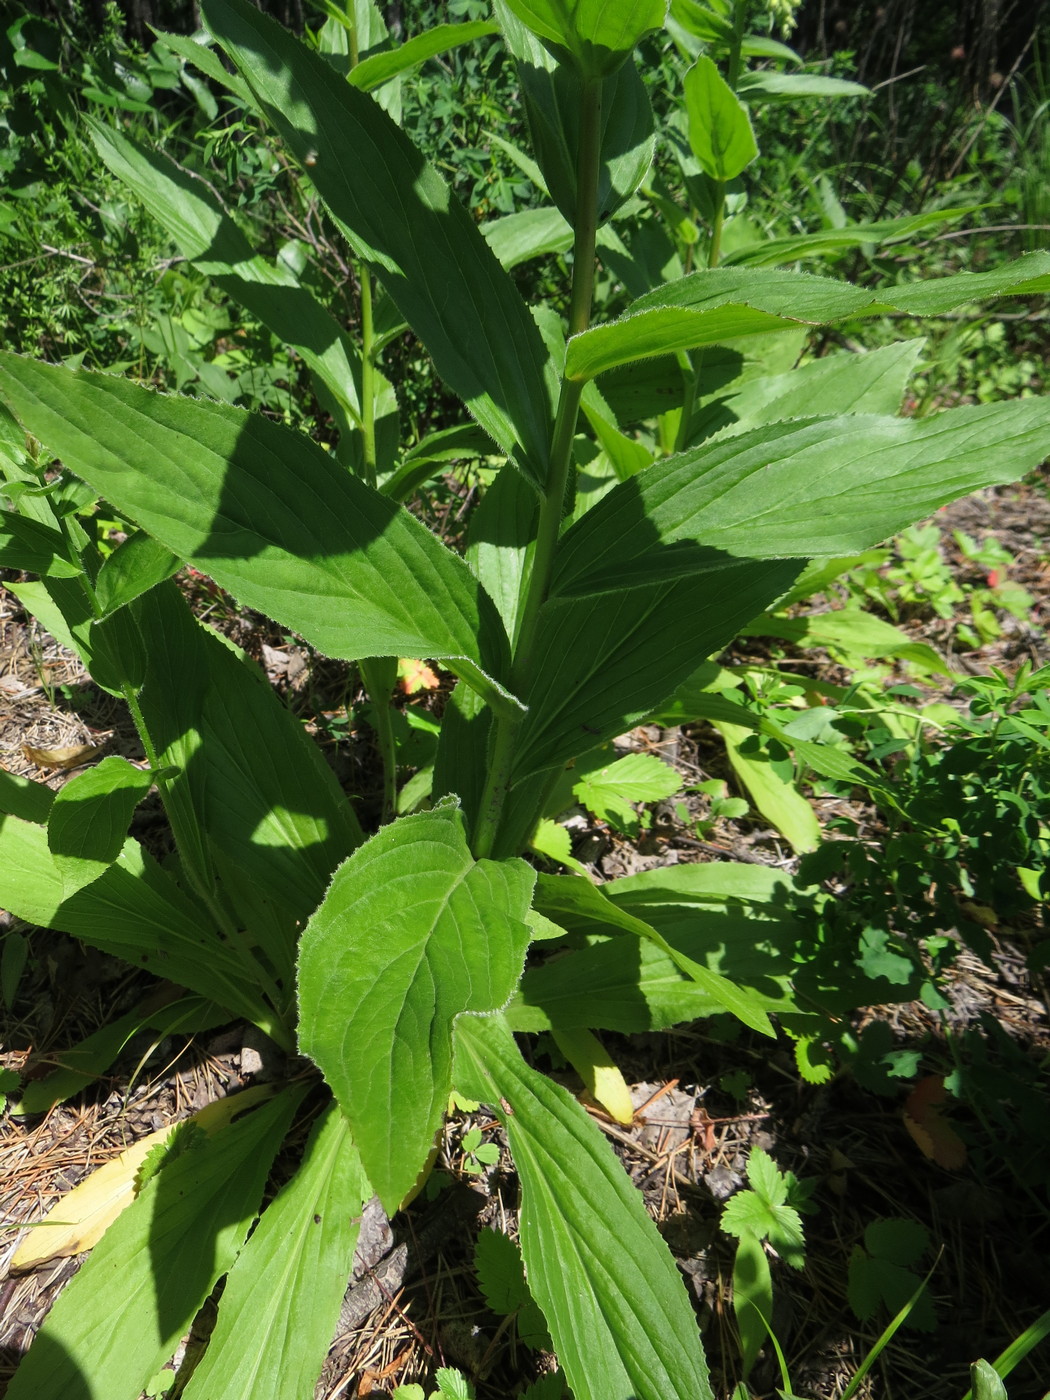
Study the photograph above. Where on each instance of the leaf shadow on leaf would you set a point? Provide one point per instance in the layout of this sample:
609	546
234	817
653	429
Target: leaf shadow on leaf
58	1364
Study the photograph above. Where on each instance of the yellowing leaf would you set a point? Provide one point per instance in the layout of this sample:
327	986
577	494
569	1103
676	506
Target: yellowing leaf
601	1076
80	1219
72	756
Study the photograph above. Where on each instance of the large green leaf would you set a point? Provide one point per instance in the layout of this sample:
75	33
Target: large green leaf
609	660
280	1306
707	307
597	35
123	1315
617	1310
253	802
735	920
379	68
134	911
401	217
825	487
263	510
719	128
413	932
553	96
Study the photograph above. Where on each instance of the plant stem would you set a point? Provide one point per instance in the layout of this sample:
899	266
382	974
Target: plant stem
368	377
552	508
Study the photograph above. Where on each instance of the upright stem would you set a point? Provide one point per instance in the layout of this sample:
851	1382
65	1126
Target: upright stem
368	377
552	507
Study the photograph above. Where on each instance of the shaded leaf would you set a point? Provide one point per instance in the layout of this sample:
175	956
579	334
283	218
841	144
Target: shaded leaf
402	219
263	510
280	1306
135	1297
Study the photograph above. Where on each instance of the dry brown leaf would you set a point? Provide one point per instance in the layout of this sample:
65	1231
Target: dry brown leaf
72	757
928	1127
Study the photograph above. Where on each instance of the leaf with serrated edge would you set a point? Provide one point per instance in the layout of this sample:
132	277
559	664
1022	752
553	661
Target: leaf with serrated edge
413	932
796	490
637	777
622	1325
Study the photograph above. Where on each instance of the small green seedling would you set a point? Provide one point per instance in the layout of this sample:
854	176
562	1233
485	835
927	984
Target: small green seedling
477	1155
767	1212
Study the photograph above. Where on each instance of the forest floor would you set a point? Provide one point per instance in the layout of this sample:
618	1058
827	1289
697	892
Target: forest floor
704	1098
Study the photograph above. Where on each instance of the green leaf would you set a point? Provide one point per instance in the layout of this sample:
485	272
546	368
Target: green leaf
186	207
453	1385
263	510
272	831
874	1283
134	1298
871	382
609	792
90	817
379	68
776	797
552	94
763	84
768	492
763	1211
28	544
134	911
752	1297
530	233
413	932
719	128
986	1383
280	1307
609	660
902	1242
134	567
770	252
501	1274
401	218
722	303
622	1326
21	797
598	35
574	901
